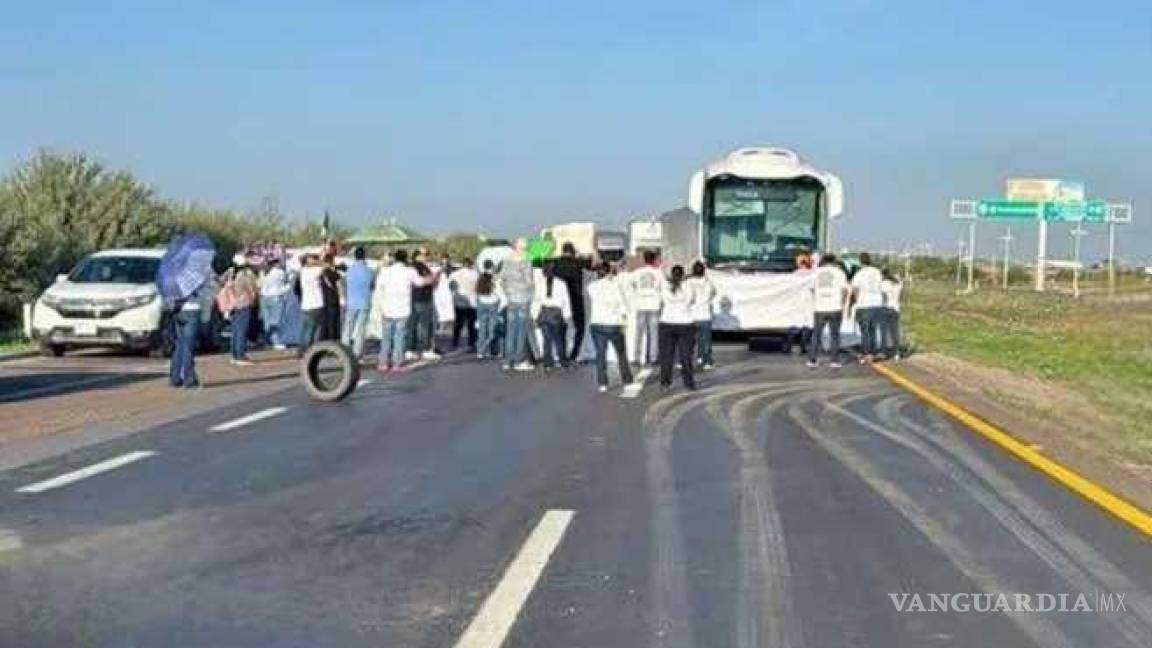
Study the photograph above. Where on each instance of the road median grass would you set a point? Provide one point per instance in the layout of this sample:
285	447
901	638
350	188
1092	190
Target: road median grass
1083	364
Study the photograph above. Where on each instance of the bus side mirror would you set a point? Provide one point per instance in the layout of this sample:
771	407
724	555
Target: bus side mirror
835	192
696	193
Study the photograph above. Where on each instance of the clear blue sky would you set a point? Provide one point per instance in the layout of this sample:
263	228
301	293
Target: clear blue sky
509	115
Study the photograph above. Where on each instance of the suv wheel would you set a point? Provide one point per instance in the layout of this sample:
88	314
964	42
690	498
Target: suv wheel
49	350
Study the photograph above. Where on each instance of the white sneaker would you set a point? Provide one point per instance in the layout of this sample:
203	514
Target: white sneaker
602	388
506	367
835	365
812	365
524	366
708	367
481	356
279	347
431	355
409	355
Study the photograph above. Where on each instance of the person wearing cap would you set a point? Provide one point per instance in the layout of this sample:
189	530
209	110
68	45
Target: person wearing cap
241	282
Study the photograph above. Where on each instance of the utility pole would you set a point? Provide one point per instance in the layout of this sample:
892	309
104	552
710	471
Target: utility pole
971	255
959	260
1041	253
1007	240
1078	233
1111	258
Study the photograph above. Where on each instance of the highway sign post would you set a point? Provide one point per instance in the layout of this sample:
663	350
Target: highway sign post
1044	201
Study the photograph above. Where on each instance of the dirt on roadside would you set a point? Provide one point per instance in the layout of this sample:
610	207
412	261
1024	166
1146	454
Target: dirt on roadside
1065	425
147	395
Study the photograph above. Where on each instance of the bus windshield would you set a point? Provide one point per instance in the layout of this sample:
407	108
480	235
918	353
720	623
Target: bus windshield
761	223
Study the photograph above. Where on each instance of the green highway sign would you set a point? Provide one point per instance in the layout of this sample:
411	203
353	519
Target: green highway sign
1009	210
1091	211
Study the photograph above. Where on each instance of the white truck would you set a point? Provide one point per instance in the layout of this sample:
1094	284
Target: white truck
749	214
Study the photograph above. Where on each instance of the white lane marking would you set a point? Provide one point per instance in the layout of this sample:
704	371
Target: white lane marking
251	418
637	386
491	624
364	381
83	473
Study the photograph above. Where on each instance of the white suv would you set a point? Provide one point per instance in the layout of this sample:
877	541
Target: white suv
108	300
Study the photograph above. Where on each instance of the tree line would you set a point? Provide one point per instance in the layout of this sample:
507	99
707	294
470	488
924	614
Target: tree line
56	208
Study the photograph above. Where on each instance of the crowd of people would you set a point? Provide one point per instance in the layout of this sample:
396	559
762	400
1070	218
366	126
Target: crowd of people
528	315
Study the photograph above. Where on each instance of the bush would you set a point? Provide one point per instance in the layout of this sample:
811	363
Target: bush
55	209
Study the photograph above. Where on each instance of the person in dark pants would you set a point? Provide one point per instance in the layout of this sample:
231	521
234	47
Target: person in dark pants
868	297
422	322
829	296
551	311
609	305
570	268
311	302
244	287
186	331
462	282
330	284
677	336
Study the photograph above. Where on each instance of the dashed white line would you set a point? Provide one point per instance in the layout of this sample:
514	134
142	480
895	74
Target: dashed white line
491	625
251	418
637	386
84	473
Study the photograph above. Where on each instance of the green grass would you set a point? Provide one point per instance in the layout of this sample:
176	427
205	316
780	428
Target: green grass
1100	349
14	343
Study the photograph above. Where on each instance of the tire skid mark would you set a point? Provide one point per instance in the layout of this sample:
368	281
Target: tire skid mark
672	618
1040	629
1062	551
763	594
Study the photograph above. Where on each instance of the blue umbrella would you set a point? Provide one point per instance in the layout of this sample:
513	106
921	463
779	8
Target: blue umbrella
186	265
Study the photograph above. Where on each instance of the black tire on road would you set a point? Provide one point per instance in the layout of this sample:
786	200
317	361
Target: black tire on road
310	370
51	350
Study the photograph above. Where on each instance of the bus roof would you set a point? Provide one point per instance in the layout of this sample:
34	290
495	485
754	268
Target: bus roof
766	163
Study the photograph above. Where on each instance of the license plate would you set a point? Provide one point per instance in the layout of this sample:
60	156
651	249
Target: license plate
85	328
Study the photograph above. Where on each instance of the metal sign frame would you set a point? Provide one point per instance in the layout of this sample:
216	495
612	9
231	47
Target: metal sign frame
963	209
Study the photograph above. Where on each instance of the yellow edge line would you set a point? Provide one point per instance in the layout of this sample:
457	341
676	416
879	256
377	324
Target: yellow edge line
1084	487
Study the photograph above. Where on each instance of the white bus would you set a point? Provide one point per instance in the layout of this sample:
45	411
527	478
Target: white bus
749	214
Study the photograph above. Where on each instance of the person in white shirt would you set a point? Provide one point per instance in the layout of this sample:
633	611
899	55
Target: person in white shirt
489	303
890	316
869	302
311	302
551	310
646	287
394	286
274	289
677	329
705	293
829	296
609	305
462	282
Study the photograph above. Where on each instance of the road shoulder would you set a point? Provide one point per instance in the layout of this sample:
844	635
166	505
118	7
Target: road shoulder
1073	441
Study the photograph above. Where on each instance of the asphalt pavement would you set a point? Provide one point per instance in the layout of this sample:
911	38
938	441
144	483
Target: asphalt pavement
456	505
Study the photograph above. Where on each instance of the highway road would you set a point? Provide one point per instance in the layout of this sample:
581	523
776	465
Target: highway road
457	506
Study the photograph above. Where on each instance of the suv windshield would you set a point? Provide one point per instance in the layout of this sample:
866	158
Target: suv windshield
761	222
130	270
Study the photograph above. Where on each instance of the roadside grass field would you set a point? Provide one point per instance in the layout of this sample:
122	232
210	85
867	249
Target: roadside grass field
1096	347
14	343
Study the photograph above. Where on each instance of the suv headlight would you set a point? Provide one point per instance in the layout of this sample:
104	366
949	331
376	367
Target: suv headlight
50	300
139	300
